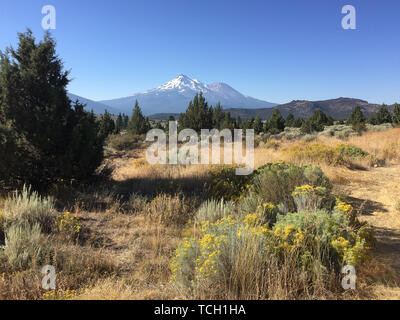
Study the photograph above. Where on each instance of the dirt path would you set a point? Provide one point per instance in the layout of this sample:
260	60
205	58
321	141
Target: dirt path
376	195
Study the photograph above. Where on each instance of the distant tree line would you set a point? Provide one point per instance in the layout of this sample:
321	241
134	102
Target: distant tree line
358	121
199	115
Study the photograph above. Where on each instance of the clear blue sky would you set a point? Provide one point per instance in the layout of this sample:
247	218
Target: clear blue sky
276	50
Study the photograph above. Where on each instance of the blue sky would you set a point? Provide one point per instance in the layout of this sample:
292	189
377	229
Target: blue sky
272	50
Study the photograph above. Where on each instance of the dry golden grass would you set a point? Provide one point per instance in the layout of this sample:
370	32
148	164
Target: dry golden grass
369	186
125	254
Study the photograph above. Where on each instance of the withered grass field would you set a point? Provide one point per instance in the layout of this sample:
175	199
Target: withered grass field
131	228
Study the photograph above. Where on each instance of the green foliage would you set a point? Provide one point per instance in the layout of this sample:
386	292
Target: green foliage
12	152
68	224
225	183
197	116
84	153
308	198
316	122
356	116
396	115
25	246
243	257
218	117
289	120
213	210
275	183
58	141
292	122
357	120
138	124
381	117
249	124
246	253
351	151
258	125
276	123
229	122
107	125
119	124
27	206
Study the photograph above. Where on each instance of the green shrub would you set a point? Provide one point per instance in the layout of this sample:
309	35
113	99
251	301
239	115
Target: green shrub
25	246
11	153
68	225
351	151
27	205
244	258
344	241
213	210
225	183
275	183
308	198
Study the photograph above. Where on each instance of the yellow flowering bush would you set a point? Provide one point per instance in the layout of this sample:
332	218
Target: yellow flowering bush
242	250
344	207
68	224
309	198
275	182
62	294
351	254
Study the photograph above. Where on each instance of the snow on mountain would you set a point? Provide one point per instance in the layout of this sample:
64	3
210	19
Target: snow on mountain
175	95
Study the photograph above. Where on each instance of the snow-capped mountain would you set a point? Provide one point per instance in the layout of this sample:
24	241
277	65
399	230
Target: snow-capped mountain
175	95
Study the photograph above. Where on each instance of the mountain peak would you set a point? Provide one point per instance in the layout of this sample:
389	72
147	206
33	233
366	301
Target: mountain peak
175	95
183	82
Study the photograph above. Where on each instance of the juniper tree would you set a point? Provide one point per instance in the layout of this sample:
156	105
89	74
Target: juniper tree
119	124
356	116
138	124
107	125
396	115
218	116
316	122
382	116
289	120
198	115
35	105
357	120
229	122
125	121
258	125
276	123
